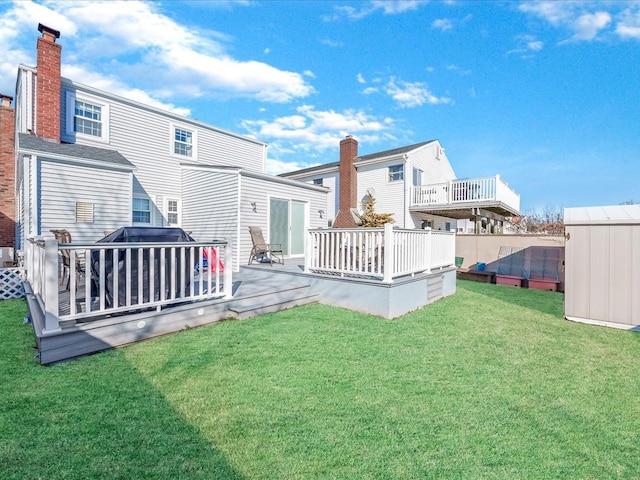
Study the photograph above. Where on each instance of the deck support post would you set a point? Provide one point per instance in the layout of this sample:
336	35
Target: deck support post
51	318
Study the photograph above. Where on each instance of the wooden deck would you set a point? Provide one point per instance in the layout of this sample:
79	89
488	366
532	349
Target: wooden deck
257	289
252	295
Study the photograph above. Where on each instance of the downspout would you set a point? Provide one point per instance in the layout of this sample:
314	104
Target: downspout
404	209
239	222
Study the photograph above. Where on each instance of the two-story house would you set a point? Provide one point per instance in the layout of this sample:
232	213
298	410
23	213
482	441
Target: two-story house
416	183
90	162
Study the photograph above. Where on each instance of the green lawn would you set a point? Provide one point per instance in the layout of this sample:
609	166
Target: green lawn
488	383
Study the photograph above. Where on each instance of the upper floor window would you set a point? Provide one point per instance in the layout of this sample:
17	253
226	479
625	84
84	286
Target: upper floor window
396	172
184	142
317	181
87	117
417	177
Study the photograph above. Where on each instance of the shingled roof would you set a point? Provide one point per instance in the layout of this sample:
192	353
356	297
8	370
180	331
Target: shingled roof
372	156
72	150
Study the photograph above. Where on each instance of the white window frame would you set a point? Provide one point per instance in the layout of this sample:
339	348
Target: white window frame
70	134
194	141
140	197
419	174
392	174
178	211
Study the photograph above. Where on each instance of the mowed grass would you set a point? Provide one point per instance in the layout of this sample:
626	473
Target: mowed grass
488	383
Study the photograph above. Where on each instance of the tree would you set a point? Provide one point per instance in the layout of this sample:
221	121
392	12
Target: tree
370	218
549	222
631	201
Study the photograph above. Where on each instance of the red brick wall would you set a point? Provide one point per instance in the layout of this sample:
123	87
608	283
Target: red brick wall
7	167
48	88
348	183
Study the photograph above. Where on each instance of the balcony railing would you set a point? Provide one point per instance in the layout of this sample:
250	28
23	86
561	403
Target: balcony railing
383	253
474	191
83	281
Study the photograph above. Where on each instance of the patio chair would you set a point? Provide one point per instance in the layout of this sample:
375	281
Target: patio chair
63	236
264	252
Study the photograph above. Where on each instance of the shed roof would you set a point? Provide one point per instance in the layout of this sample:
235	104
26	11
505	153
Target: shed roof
615	214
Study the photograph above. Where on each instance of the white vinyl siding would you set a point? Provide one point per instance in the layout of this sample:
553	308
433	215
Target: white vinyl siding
210	206
63	185
389	195
158	170
260	190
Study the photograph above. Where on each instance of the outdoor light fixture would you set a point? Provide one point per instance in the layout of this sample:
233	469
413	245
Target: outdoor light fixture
321	212
254	207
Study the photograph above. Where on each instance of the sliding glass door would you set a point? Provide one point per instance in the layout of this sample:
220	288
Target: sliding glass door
286	225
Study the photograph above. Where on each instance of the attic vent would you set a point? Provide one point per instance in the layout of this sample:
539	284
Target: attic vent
84	212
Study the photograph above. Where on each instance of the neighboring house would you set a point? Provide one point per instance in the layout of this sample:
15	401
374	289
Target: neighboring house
416	183
91	161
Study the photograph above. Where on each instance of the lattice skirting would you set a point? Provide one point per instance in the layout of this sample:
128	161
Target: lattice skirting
11	283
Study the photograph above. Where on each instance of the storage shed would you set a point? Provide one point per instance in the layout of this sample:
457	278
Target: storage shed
602	265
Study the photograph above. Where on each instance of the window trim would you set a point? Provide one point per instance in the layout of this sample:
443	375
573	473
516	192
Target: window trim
391	174
70	134
194	141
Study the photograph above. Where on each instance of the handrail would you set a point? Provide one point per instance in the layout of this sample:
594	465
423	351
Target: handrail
378	253
108	278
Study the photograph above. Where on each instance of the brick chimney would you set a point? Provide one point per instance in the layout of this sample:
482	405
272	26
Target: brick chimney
348	183
48	84
7	169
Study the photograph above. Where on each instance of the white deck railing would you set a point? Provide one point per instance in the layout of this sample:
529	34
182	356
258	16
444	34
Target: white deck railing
474	190
384	253
108	278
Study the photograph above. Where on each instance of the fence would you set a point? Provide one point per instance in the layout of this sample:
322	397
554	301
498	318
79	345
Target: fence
384	253
101	279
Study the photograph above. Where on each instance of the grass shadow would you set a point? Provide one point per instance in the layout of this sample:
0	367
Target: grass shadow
95	417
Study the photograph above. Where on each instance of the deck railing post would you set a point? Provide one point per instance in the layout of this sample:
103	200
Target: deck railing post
308	250
389	251
228	271
429	247
51	319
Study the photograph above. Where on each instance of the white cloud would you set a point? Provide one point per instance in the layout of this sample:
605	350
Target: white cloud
154	51
360	78
457	69
388	7
628	25
553	11
588	21
527	44
276	167
311	130
442	24
412	94
116	87
588	26
370	90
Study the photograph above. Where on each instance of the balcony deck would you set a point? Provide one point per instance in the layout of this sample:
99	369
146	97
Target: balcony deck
466	198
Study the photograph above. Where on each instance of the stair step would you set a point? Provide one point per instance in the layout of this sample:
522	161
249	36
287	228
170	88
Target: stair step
242	312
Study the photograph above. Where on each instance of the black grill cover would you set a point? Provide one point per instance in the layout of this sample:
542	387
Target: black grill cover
140	235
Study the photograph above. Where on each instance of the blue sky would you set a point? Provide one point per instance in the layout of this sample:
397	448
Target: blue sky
546	94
